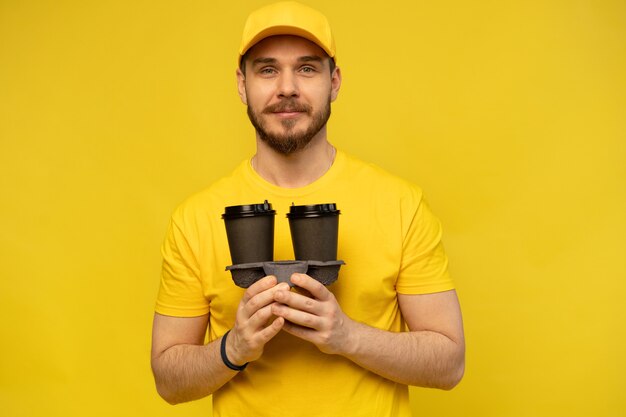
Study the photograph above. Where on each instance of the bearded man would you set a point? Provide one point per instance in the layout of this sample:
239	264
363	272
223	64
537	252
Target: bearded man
392	318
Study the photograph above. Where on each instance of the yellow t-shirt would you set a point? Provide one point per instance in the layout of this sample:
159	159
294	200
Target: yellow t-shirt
390	242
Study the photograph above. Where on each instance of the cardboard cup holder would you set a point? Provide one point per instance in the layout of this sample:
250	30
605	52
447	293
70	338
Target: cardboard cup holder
244	275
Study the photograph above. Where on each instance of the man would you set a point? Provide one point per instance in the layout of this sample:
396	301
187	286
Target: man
342	350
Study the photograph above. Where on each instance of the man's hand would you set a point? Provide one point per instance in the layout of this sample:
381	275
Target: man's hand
253	325
317	319
431	354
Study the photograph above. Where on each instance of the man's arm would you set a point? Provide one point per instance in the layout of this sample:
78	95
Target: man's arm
185	369
431	354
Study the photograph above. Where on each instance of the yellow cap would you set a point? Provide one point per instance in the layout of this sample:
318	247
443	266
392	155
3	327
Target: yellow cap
287	18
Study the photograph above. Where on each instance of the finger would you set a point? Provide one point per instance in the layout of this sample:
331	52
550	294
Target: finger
262	299
296	316
272	330
259	286
299	331
316	288
248	344
257	320
297	301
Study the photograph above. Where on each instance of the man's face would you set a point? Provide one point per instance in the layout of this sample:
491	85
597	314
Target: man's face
288	89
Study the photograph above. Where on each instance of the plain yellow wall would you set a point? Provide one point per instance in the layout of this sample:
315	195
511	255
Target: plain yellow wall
510	114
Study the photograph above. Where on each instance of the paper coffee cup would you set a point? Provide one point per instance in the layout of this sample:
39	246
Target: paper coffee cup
314	231
250	232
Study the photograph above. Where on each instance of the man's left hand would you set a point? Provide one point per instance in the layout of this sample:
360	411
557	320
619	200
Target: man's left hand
318	318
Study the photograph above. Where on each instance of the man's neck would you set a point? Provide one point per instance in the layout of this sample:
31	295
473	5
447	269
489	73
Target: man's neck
296	170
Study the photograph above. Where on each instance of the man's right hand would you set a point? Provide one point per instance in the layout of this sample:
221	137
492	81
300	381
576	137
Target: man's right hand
254	326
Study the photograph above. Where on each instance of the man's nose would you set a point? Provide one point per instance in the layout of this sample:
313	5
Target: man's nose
288	85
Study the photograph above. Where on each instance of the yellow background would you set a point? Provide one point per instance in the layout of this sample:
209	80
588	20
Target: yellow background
510	114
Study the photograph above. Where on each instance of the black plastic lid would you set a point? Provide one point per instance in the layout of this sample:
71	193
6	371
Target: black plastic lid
248	210
314	210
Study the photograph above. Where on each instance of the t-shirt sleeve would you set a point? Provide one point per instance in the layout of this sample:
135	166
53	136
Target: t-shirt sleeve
424	266
180	292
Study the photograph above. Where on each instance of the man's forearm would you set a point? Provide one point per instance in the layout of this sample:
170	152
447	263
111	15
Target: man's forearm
185	370
431	355
189	372
421	358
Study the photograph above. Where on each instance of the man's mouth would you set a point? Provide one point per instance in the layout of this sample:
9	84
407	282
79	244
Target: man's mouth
287	113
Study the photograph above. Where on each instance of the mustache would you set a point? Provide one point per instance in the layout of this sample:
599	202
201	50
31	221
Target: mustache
289	105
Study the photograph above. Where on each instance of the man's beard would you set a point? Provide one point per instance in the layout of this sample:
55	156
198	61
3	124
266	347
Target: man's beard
290	141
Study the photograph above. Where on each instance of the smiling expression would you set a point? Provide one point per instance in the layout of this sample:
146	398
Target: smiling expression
288	88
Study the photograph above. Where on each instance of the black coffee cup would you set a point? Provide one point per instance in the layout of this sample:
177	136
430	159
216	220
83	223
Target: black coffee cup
250	232
314	231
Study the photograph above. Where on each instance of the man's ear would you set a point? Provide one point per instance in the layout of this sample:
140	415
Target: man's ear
241	86
335	83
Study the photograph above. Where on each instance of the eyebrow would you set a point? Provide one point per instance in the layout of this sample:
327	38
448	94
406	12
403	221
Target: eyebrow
310	58
268	60
264	61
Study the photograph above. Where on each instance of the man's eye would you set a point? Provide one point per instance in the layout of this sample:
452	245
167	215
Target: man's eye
267	71
307	69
